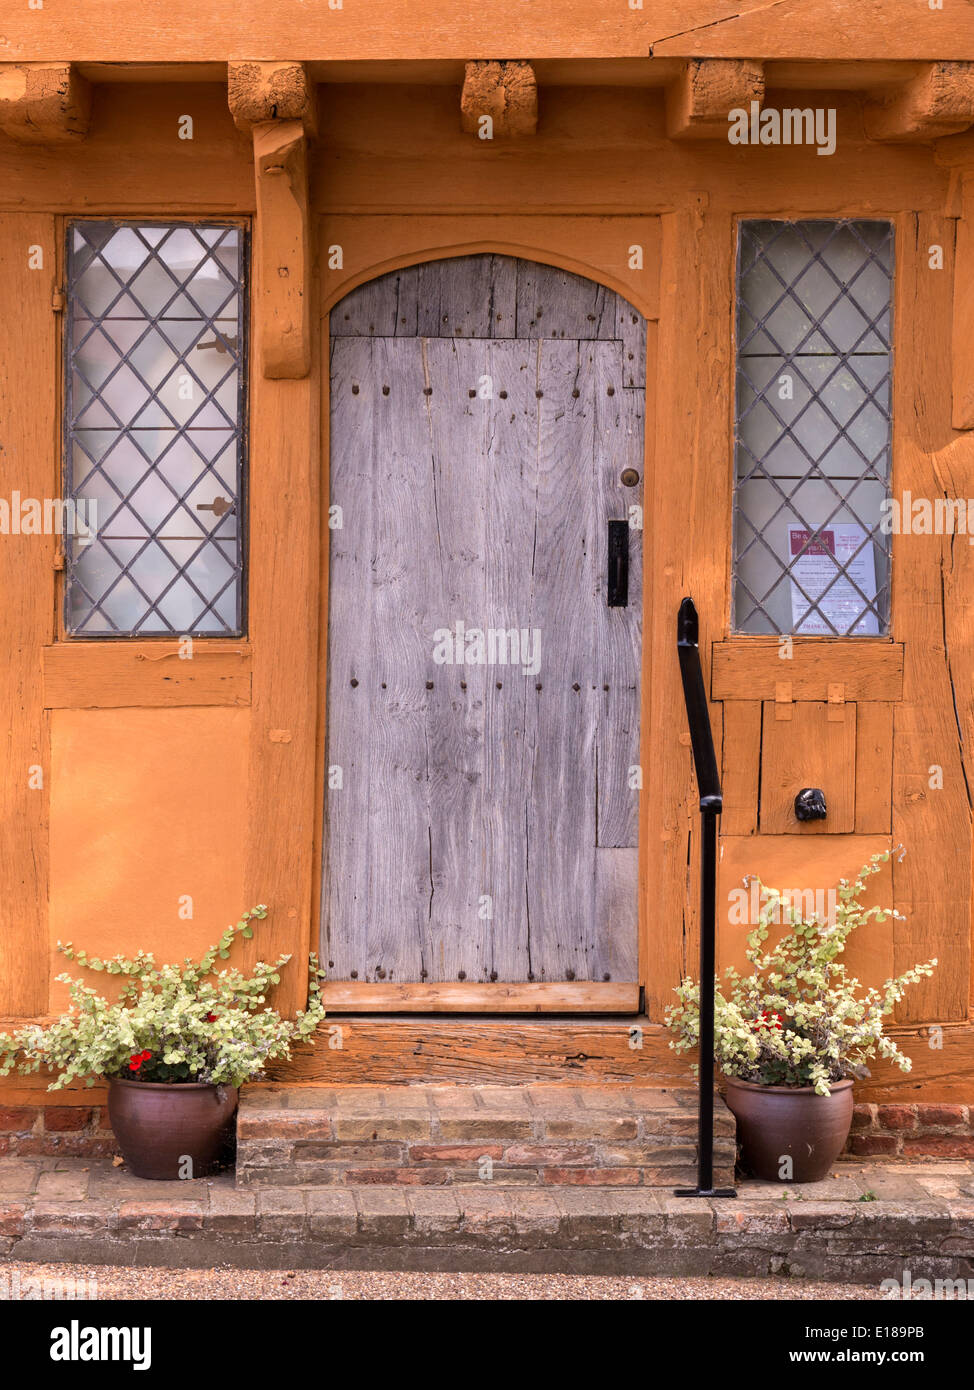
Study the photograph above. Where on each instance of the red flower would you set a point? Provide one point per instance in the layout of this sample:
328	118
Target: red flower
135	1063
211	1018
767	1020
146	1056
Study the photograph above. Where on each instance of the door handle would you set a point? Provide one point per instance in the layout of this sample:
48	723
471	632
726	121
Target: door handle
617	584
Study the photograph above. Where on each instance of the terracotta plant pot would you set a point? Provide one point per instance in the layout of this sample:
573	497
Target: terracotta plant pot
775	1121
172	1130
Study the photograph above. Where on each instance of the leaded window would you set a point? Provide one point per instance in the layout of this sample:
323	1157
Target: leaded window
813	427
154	427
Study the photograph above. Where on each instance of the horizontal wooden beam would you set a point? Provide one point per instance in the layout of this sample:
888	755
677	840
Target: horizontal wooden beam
44	103
752	668
201	31
363	1050
114	675
259	91
699	102
360	996
937	102
499	100
508	1050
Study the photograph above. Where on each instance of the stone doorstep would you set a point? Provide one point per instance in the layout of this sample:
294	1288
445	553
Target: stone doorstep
613	1135
69	1210
591	1229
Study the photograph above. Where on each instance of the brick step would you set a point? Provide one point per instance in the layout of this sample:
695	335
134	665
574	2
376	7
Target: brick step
542	1136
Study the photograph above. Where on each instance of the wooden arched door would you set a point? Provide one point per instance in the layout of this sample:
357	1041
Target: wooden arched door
484	641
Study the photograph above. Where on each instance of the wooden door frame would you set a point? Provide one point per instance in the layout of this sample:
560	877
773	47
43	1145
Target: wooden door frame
548	241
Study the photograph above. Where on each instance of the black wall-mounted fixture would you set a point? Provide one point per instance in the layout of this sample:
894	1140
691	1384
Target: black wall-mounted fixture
810	804
618	576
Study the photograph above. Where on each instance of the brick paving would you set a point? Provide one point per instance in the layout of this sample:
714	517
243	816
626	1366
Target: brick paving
867	1221
579	1136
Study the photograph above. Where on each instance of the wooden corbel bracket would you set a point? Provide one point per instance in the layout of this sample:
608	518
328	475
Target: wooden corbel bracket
504	92
274	103
44	103
283	249
700	100
938	101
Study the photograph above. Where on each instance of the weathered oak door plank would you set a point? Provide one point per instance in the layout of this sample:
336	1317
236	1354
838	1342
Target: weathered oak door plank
484	832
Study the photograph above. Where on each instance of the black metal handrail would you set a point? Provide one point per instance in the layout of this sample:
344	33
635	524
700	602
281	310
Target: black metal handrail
711	805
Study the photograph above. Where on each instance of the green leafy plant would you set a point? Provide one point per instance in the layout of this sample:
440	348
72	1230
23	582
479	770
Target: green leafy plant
799	1018
188	1022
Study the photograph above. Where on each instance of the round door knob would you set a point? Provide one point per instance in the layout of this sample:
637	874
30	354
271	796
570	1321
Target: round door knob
810	804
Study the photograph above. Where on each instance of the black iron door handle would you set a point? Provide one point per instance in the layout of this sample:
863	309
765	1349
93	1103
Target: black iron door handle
617	585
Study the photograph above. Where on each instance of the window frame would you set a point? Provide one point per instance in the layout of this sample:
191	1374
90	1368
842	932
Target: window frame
733	633
64	224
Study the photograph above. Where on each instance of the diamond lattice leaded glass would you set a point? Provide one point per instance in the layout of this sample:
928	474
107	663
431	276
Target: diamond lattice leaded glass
155	427
813	424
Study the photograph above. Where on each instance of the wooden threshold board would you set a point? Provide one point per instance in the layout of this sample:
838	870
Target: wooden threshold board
507	1049
360	996
363	1050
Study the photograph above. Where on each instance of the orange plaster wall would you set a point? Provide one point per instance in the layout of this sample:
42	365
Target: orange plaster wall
146	805
788	863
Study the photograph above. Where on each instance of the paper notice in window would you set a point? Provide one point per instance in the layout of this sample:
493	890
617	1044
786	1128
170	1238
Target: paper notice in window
839	601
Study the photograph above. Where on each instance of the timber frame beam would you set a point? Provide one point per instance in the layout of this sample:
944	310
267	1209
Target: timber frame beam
275	104
699	101
962	353
501	98
938	101
44	103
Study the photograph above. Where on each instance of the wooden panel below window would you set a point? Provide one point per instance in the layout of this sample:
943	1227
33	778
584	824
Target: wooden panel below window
874	768
112	675
808	750
741	767
750	668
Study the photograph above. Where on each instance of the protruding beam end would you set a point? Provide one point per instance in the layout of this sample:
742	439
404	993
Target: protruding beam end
700	100
44	103
258	92
938	101
499	100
